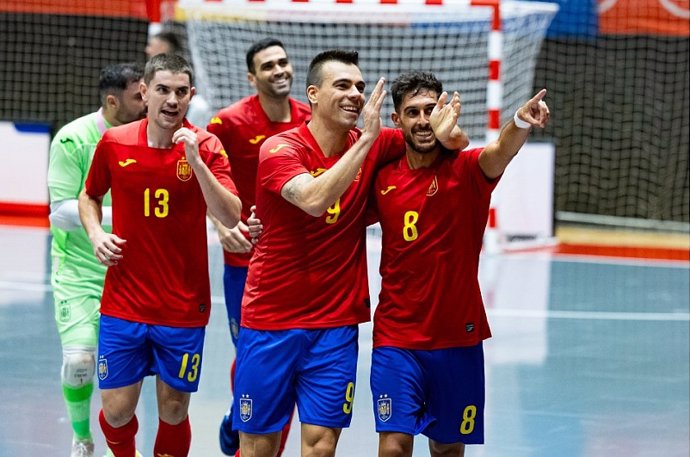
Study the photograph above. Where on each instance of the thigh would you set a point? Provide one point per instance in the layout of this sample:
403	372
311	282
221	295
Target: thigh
456	395
124	353
177	355
264	379
234	279
398	391
326	378
77	320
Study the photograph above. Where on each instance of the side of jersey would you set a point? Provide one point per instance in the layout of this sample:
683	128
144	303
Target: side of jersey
242	128
311	272
159	209
75	269
433	221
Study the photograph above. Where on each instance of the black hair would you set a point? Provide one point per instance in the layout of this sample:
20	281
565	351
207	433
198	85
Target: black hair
167	62
314	76
412	83
115	78
258	47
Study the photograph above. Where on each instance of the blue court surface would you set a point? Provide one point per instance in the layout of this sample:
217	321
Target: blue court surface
590	358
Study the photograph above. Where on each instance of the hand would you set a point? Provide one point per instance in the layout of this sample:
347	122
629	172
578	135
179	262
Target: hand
254	225
233	239
372	110
444	117
108	248
535	111
191	145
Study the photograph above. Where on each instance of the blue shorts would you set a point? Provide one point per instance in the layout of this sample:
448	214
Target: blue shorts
276	369
438	393
129	351
233	286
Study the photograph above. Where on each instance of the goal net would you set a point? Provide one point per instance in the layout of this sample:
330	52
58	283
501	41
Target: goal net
449	40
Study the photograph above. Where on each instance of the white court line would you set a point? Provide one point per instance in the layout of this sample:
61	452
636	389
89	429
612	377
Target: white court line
589	315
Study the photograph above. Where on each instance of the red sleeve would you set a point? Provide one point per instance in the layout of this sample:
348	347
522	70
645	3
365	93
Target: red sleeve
479	179
98	180
217	162
279	162
392	145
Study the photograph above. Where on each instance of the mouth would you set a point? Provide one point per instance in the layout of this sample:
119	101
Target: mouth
169	113
424	135
353	110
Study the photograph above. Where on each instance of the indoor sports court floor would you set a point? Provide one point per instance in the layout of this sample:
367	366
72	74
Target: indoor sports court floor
590	358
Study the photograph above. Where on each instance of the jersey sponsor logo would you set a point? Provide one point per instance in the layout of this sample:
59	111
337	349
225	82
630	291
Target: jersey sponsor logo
184	170
469	327
433	188
278	148
102	368
387	189
245	408
384	407
66	140
216	120
126	162
317	172
257	139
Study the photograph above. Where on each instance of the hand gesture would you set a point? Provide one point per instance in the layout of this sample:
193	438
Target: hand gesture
254	225
372	110
191	145
535	112
233	239
444	117
107	247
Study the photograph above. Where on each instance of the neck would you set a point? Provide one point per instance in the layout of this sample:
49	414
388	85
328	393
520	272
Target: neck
416	160
330	140
157	137
109	117
276	109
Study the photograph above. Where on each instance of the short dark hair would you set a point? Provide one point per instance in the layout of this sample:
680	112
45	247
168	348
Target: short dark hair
115	78
167	62
258	47
172	39
412	83
314	76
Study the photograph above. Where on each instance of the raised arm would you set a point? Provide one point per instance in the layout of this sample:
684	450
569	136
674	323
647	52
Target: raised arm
498	154
220	201
315	194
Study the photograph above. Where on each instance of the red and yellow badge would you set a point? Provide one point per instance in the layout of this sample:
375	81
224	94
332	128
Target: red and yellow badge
433	188
184	170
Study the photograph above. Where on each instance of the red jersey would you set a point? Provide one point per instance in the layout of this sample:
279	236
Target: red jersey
158	207
242	128
311	272
433	222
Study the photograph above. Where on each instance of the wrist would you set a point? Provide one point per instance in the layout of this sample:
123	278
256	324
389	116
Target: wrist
519	123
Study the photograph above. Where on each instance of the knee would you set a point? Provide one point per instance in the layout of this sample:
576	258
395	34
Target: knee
395	445
446	450
174	410
322	445
78	366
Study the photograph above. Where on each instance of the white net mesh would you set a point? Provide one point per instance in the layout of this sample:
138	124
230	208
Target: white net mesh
449	41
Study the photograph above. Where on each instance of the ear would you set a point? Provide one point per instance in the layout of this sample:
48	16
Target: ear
143	88
312	93
395	118
192	92
252	79
112	102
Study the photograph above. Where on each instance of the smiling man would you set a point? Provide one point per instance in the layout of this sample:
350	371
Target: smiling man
242	128
306	288
164	174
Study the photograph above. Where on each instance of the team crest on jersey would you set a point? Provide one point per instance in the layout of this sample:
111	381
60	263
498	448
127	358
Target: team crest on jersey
102	368
184	170
245	408
433	188
384	407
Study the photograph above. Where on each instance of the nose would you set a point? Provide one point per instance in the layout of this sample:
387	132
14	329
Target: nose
171	99
423	119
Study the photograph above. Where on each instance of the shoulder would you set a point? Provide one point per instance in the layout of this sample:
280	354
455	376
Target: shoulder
80	130
235	112
302	108
127	134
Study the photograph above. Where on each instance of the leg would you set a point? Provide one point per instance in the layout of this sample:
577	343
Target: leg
253	445
394	444
77	324
118	422
437	449
174	431
233	286
319	441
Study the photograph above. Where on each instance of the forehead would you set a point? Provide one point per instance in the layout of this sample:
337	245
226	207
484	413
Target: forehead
269	54
422	98
335	71
167	78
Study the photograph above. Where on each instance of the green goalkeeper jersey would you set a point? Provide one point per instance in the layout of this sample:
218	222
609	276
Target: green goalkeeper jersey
75	270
